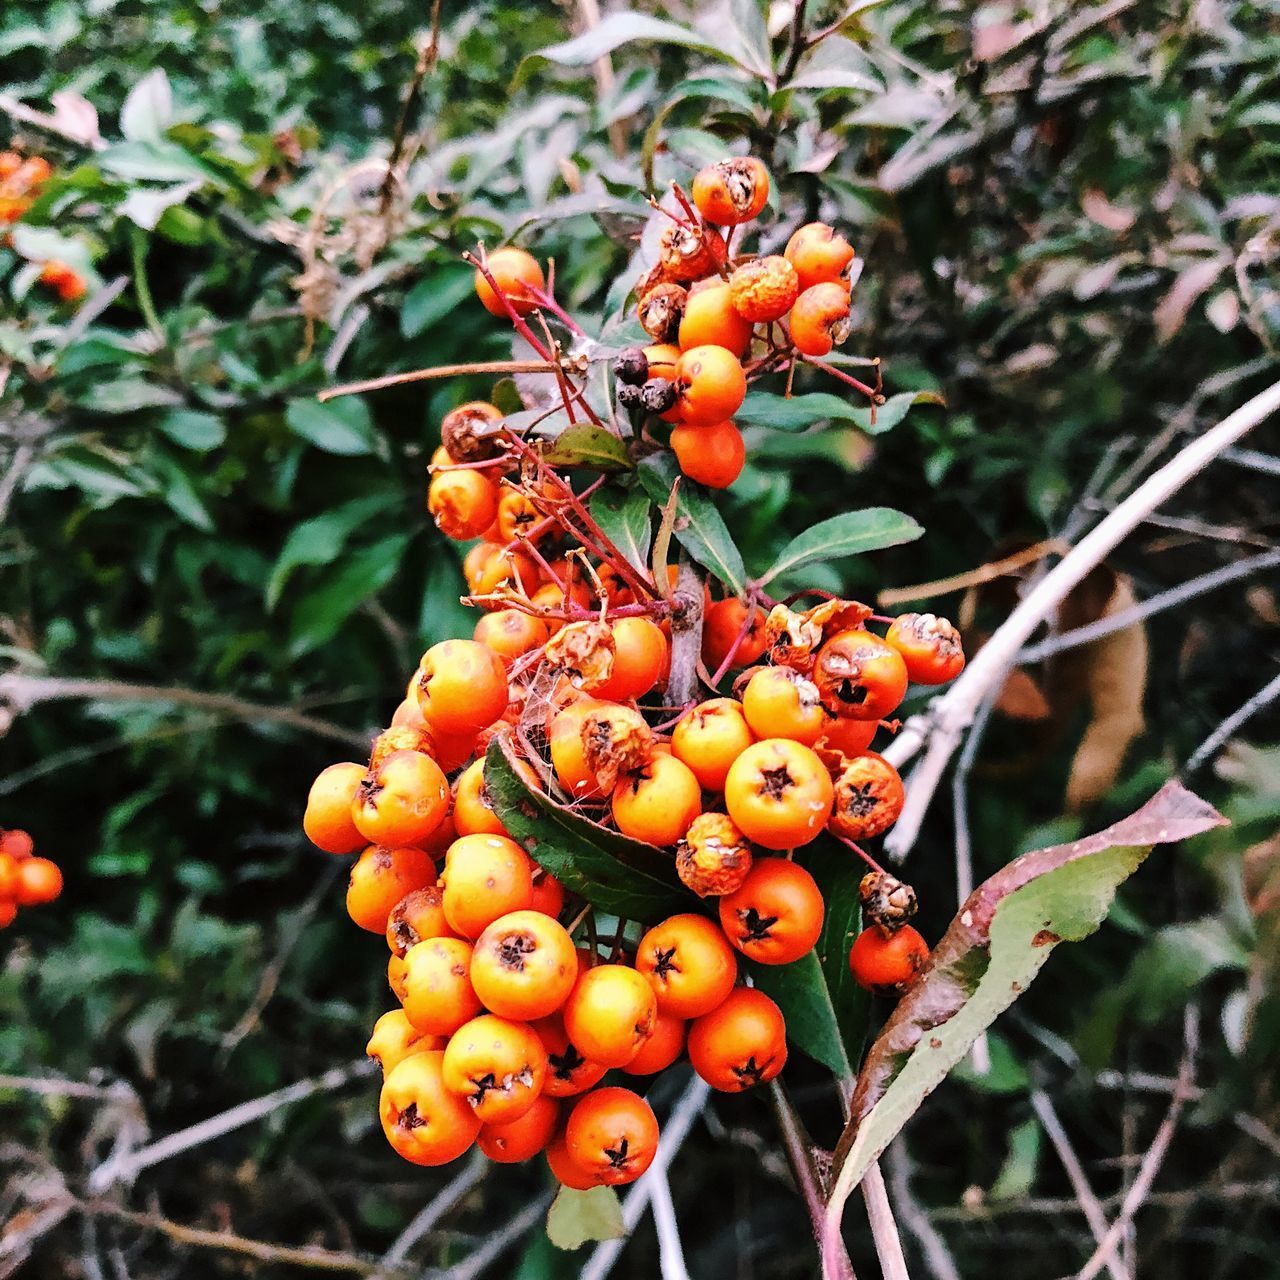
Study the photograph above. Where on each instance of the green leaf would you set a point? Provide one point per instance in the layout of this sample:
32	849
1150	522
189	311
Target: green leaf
128	395
148	109
699	528
615	31
747	38
1018	1173
319	541
153	161
319	615
719	91
579	1217
342	426
40	244
850	534
611	872
584	445
625	516
825	1009
765	409
145	206
993	950
434	297
194	430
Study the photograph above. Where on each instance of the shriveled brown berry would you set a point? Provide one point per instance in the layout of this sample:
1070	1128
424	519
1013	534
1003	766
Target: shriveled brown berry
714	857
689	253
582	652
661	310
616	740
632	366
659	395
886	901
868	797
471	432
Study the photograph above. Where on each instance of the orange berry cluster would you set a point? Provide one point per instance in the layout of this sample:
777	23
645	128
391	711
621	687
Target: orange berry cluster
506	1025
25	880
715	316
20	183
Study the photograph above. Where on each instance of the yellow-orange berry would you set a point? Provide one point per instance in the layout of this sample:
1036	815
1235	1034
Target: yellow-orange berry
731	191
764	289
513	271
820	319
819	254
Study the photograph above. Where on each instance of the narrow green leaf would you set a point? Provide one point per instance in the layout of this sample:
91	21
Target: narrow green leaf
850	534
434	297
700	528
318	541
319	615
747	39
341	426
615	31
624	514
764	408
615	874
584	445
582	1217
194	430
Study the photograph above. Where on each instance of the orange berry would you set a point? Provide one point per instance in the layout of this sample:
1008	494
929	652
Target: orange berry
473	813
713	455
463	503
713	858
820	319
461	687
778	793
327	820
524	965
640	655
775	916
518	514
763	289
511	633
380	879
868	797
484	877
612	1133
395	1038
423	1121
819	254
548	893
401	738
848	737
688	963
566	1170
741	1044
722	625
662	1048
710	320
657	803
709	738
396	970
731	191
712	385
568	751
497	1065
859	676
887	963
17	844
39	881
402	801
513	271
8	912
930	646
418	916
568	1070
616	740
438	996
8	877
609	1014
521	1138
780	703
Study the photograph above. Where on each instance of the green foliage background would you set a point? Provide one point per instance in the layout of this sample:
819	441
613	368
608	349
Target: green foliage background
1070	231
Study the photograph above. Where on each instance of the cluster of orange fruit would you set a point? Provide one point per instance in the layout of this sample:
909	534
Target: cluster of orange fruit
505	1017
25	880
714	316
20	183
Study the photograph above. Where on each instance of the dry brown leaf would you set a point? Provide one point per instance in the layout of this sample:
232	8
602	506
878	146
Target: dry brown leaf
1116	682
1022	698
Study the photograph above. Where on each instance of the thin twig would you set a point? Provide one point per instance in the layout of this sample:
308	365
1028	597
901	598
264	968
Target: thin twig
937	1257
437	371
1214	742
127	1166
22	692
884	1230
670	1250
950	714
426	1218
1151	1162
1189	590
425	62
974	577
1074	1170
498	1242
